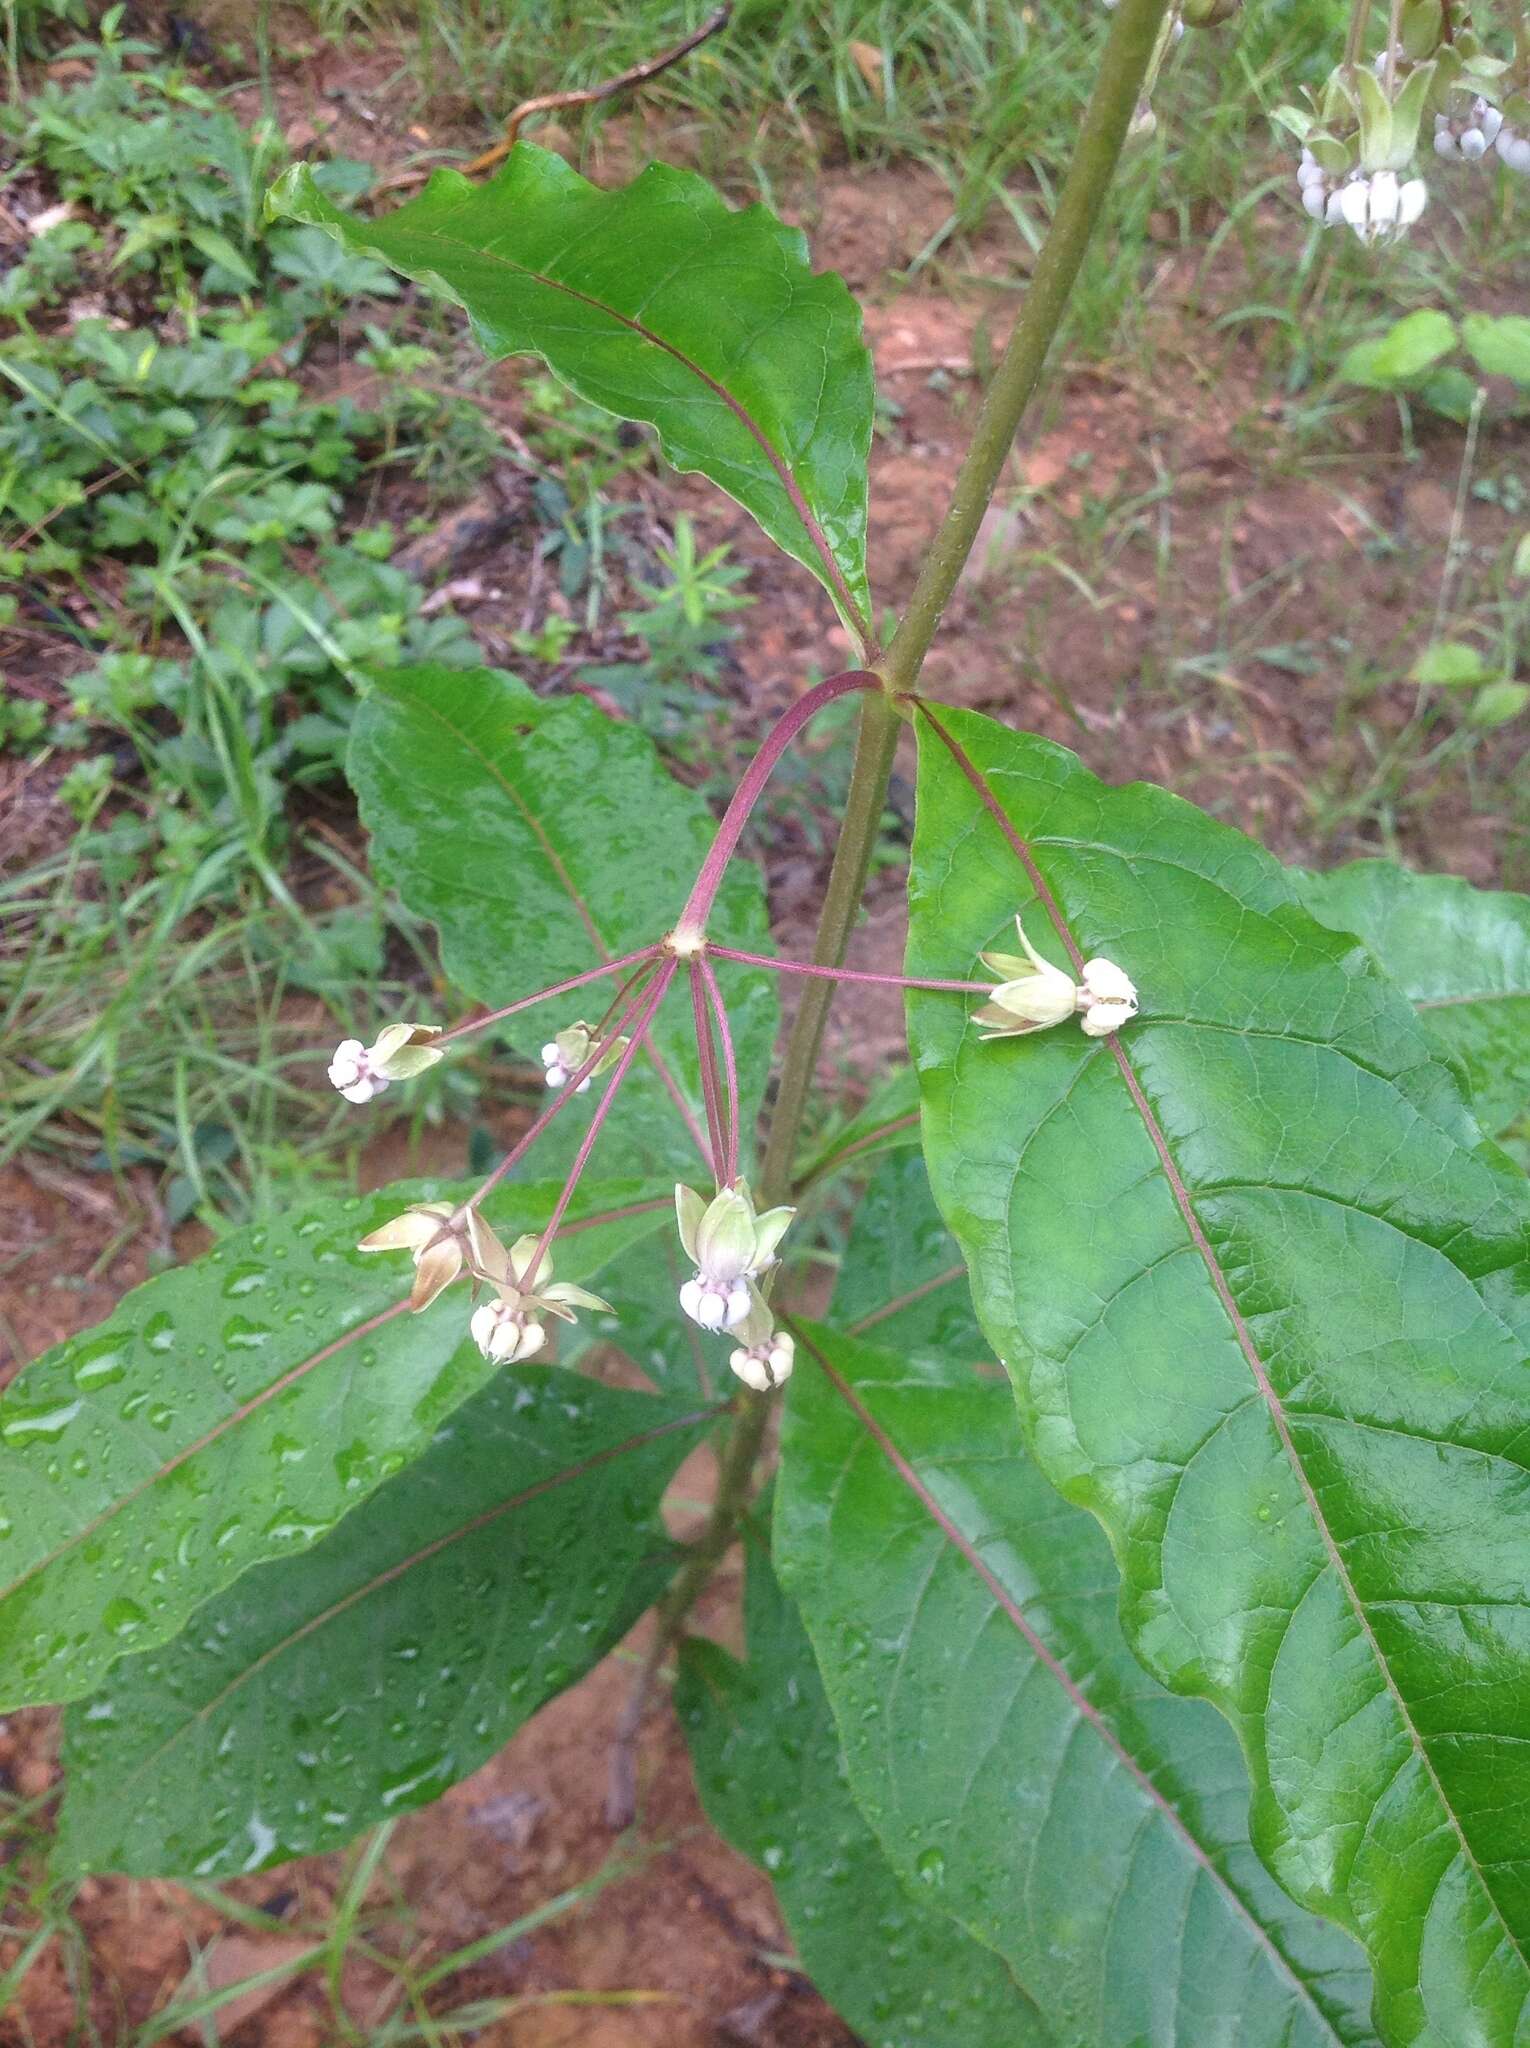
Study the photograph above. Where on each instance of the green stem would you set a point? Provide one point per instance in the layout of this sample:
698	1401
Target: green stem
875	740
1124	66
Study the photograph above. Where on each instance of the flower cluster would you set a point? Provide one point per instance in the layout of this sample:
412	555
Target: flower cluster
447	1242
732	1250
1360	134
1033	995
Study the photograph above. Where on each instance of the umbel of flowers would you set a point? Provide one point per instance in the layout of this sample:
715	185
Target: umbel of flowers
1362	133
731	1245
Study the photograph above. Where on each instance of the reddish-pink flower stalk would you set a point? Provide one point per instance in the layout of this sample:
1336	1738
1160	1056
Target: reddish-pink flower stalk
649	1002
711	1090
565	1095
693	919
730	1066
542	995
966	988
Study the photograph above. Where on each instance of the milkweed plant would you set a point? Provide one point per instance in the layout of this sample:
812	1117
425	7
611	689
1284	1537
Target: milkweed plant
1135	1626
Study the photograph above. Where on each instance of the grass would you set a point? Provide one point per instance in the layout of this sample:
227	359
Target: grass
363	1931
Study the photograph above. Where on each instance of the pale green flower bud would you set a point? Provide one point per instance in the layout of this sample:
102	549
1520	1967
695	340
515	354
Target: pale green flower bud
1032	995
567	1050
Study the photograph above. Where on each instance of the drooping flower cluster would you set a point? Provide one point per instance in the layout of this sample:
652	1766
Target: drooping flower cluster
1033	995
730	1247
447	1242
1360	134
511	1327
732	1250
397	1054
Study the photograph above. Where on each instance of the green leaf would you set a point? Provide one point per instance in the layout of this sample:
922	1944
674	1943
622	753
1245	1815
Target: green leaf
1500	347
1450	664
230	1412
889	1121
1002	1741
1496	703
1462	955
903	1277
772	1779
643	1286
391	1660
1451	393
540	836
1409	347
660	303
1262	1293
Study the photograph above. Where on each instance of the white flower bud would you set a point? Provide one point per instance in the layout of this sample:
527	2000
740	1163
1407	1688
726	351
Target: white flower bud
1514	150
351	1071
1103	1018
568	1052
767	1365
506	1333
1470	133
1379	207
1104	982
713	1305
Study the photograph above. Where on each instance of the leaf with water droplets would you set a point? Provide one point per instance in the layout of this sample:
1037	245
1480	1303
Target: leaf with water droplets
1264	1295
1003	1743
322	1694
147	1463
540	837
772	1779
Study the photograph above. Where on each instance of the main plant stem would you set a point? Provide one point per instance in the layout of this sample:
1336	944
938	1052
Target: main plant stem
1123	68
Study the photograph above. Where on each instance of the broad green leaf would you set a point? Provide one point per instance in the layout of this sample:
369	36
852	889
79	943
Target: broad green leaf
229	1412
903	1282
1263	1295
660	303
363	1678
1006	1747
1461	955
643	1287
772	1779
541	837
1500	347
1409	347
888	1122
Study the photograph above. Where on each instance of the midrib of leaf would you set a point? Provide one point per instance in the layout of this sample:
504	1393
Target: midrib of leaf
1488	995
231	1421
1015	1615
421	1556
778	463
1244	1336
585	914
